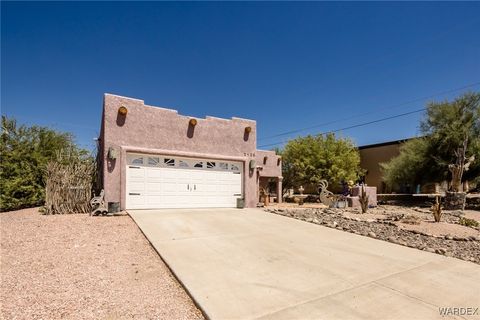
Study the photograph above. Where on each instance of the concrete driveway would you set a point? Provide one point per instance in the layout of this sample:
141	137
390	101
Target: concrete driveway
248	264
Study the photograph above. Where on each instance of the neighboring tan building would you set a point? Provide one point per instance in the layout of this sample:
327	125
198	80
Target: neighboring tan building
154	158
370	158
372	155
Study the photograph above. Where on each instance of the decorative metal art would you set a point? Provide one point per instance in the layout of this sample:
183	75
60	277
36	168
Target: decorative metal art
326	197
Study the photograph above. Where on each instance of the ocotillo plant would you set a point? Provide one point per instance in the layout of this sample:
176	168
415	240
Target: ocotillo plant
363	198
437	209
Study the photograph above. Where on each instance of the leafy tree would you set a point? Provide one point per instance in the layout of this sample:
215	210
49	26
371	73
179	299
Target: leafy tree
24	152
410	166
446	126
307	160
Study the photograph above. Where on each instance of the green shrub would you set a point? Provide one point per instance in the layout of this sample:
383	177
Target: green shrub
24	153
468	222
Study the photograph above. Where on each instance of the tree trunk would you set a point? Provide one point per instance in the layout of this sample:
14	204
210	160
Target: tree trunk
454	199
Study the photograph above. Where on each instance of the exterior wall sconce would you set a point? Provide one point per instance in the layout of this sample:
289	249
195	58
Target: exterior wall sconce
192	122
123	110
252	164
248	130
112	153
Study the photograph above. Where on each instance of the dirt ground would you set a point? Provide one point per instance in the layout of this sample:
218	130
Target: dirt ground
81	267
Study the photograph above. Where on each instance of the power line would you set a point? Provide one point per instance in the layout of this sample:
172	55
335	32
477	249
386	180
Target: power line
356	125
370	112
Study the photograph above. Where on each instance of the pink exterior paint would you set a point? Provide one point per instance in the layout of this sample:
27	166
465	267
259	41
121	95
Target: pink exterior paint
154	130
270	164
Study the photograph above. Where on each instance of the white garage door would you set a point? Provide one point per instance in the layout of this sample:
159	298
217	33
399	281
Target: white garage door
155	182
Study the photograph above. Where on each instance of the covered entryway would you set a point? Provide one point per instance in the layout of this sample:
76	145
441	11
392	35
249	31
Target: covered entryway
155	182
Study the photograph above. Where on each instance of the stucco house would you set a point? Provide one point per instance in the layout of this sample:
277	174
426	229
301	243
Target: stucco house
152	157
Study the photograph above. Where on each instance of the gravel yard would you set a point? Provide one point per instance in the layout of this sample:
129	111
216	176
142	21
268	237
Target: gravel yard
412	227
81	267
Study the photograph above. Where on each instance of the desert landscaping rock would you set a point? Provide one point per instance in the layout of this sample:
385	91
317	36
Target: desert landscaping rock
81	267
387	226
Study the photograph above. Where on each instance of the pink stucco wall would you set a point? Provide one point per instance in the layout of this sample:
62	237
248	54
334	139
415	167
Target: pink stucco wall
155	130
270	167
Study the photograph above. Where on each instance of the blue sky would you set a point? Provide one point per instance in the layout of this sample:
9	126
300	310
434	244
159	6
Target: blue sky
287	65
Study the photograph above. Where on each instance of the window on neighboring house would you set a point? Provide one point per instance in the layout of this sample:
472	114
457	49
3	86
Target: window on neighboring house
265	160
279	160
210	165
169	162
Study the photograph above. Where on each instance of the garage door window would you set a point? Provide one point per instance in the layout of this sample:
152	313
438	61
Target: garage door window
210	165
169	162
154	161
223	165
183	164
137	160
159	162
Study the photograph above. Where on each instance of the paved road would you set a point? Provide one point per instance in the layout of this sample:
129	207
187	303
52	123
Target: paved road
248	264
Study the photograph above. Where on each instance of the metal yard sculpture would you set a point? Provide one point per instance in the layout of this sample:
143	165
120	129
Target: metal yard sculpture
326	197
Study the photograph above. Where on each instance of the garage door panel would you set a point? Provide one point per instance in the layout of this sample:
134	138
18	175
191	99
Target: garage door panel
154	173
137	186
171	187
153	188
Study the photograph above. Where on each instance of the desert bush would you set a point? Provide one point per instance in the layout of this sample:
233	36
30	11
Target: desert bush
411	219
24	154
468	222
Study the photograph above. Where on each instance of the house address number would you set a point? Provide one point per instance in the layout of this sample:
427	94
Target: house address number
249	154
